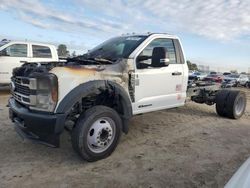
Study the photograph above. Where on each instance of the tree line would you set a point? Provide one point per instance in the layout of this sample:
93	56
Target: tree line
64	52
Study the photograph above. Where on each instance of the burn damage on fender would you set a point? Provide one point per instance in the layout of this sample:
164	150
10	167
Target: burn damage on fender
28	69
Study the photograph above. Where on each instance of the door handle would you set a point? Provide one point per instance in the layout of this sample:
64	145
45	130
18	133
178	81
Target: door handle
176	73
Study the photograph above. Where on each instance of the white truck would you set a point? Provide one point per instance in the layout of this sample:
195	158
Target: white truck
94	96
15	53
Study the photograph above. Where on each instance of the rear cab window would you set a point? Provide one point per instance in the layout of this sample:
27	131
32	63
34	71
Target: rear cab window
39	51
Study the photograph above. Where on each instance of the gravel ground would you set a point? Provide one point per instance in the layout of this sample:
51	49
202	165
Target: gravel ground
184	147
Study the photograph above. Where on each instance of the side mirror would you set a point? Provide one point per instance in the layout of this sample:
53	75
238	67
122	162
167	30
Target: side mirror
160	57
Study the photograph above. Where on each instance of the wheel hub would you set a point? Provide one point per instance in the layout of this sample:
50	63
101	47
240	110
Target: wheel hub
104	135
100	135
240	105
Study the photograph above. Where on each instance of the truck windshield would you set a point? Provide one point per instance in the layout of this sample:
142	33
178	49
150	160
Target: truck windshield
115	48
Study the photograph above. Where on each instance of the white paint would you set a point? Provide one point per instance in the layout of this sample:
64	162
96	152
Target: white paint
241	179
158	89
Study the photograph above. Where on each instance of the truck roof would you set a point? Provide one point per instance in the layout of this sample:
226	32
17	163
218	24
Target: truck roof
150	34
27	42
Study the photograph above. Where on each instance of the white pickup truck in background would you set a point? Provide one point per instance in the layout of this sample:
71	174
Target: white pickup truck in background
13	53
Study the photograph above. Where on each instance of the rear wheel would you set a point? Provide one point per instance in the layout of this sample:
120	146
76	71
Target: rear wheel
97	133
231	104
220	100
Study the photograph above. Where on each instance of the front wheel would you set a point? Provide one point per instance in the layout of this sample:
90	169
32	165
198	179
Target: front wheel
96	133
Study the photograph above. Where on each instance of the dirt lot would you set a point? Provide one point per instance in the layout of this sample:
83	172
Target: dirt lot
186	147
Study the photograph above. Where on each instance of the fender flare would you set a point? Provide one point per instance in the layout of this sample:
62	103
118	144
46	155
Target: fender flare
91	87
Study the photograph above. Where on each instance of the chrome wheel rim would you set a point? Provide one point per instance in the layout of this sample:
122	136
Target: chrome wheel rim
240	105
101	134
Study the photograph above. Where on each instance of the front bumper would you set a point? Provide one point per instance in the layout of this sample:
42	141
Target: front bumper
37	127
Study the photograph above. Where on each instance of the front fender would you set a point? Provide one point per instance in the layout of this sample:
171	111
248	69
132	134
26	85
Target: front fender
90	88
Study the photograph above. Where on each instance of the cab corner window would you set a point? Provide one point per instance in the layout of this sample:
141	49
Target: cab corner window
158	53
41	51
15	50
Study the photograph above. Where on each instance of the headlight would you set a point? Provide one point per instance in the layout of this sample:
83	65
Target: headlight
46	93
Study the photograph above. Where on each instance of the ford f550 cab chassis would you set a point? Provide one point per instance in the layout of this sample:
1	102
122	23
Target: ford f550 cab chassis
95	95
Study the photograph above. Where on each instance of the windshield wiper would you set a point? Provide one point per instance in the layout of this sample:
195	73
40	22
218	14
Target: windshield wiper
90	60
103	60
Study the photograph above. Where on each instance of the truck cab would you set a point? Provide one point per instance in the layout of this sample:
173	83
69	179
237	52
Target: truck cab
163	77
15	53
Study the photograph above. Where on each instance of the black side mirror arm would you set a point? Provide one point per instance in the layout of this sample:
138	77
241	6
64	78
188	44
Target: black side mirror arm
143	58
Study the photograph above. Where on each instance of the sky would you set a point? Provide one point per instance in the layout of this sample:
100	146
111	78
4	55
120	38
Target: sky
213	32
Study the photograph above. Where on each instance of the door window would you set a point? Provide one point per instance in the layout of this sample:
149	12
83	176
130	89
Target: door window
15	50
41	51
161	42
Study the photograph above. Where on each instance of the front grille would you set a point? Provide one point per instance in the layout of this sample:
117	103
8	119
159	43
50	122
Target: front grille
20	89
24	90
21	98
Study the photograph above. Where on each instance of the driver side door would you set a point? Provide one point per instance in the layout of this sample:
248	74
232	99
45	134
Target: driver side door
159	87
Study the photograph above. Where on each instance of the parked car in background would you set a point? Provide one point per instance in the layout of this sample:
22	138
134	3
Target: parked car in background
240	79
191	72
214	78
13	53
243	80
191	80
235	80
213	72
230	81
197	76
226	73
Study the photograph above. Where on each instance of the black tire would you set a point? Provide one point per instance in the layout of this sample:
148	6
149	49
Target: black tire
220	100
231	104
82	129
